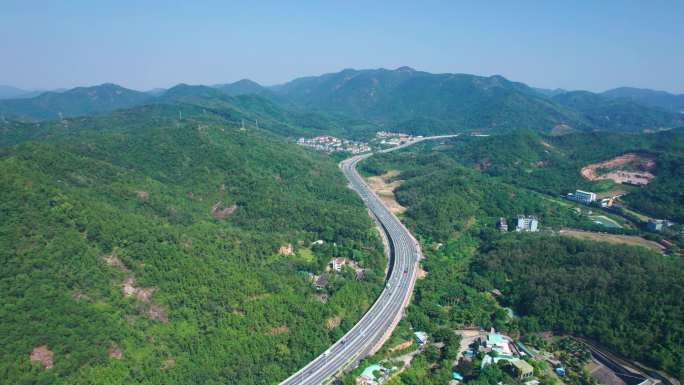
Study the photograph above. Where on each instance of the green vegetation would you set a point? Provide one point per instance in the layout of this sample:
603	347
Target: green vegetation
360	102
626	298
623	297
75	102
125	202
418	102
620	115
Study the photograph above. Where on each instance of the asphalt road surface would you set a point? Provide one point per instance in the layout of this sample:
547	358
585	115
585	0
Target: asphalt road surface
381	318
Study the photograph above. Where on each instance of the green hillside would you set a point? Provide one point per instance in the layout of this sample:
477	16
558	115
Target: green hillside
421	102
138	248
622	115
456	190
75	102
653	98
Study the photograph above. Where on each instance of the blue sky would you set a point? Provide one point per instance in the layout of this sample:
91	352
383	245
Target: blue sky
594	45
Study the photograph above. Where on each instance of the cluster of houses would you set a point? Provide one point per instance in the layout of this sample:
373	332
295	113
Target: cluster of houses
393	138
336	265
497	347
329	143
525	223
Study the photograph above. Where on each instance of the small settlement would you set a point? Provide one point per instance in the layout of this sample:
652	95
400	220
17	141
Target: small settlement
329	144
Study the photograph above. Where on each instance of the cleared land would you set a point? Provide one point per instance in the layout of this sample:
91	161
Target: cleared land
629	168
384	187
613	238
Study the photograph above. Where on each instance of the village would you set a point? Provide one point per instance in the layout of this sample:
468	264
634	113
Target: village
332	144
329	144
542	359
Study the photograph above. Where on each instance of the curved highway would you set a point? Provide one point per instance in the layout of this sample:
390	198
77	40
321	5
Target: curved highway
379	321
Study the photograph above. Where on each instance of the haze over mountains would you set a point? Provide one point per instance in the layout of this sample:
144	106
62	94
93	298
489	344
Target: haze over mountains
402	99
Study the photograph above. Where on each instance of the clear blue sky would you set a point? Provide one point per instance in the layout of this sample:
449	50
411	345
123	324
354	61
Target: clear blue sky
593	44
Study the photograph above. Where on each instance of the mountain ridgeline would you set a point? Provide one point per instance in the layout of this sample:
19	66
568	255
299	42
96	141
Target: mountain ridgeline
358	102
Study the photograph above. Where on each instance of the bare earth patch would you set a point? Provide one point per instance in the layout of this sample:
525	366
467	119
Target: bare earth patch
401	346
115	352
142	294
333	322
157	313
114	261
613	238
382	186
420	273
42	355
629	168
142	194
279	330
218	211
286	249
168	364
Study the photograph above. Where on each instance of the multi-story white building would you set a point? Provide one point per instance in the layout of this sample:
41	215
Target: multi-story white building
527	223
585	197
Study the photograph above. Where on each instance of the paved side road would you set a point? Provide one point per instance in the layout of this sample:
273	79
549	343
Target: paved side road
382	317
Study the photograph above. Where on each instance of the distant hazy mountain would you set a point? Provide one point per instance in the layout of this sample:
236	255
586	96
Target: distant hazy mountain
617	114
9	92
74	102
549	92
648	97
156	91
241	87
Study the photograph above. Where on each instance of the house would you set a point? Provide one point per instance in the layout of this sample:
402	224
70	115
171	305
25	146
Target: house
337	264
580	196
497	343
655	224
522	368
528	223
374	374
486	360
421	338
320	281
503	225
665	243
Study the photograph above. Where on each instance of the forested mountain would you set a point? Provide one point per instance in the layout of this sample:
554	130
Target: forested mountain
140	248
653	98
421	102
619	114
402	100
9	92
75	102
241	87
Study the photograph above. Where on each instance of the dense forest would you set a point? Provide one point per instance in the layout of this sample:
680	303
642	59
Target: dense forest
626	298
140	248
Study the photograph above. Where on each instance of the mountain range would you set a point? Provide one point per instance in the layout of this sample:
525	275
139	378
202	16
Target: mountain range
402	99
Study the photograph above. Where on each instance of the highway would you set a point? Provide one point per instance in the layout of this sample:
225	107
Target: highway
379	321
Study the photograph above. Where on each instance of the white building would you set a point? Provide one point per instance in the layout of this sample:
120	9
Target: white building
585	197
527	223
